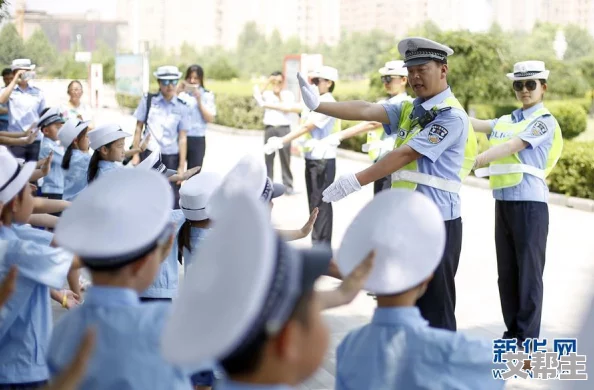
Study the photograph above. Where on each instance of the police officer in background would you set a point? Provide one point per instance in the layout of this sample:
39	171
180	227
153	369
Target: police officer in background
25	104
435	149
394	76
166	118
320	155
525	147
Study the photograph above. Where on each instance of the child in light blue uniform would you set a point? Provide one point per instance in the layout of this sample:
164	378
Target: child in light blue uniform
120	227
75	163
398	349
50	123
109	150
26	318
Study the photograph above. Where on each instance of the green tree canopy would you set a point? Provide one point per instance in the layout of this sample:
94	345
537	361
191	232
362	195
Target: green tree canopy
39	49
11	44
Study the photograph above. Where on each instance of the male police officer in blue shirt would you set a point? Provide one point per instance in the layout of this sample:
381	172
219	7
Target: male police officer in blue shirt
431	133
25	104
168	121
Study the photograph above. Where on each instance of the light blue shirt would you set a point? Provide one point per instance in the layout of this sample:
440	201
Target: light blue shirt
4	117
24	107
107	166
398	350
127	347
28	232
231	385
26	319
445	157
539	135
166	119
53	183
324	125
167	280
197	122
197	235
75	177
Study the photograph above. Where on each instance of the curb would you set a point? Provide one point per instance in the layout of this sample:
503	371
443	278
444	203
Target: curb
554	198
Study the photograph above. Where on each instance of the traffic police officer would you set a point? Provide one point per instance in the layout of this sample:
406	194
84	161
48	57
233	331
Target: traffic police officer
167	121
25	104
394	76
435	150
525	146
320	155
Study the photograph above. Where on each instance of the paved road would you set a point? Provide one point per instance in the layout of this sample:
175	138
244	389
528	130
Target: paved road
568	276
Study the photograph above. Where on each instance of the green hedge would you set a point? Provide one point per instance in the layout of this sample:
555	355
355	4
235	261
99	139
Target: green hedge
574	173
241	112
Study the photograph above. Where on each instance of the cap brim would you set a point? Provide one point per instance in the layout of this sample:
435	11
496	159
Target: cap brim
417	61
315	263
18	183
278	190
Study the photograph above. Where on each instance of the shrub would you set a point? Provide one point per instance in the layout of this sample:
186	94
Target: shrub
574	173
241	112
127	101
572	118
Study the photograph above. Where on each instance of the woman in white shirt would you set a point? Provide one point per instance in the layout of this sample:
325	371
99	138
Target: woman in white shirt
74	108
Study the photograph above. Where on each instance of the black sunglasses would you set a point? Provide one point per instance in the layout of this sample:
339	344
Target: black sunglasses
519	85
167	82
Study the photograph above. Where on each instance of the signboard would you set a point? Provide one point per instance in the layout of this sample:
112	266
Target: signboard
130	74
82	56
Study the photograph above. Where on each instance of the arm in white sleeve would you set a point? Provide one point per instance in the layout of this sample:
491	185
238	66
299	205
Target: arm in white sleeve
509	148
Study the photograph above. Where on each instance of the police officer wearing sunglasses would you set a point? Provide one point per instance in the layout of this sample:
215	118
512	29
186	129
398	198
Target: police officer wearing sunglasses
525	146
167	121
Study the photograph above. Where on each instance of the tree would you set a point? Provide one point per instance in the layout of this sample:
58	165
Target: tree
587	67
579	42
39	49
478	67
251	50
105	56
221	69
11	44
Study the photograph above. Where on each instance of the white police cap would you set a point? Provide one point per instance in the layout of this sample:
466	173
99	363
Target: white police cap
168	72
195	194
117	218
325	72
406	230
249	175
22	63
71	129
529	70
418	51
13	175
244	280
394	68
105	134
51	115
153	161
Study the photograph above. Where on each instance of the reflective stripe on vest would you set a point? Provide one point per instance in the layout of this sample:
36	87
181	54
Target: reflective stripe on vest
509	171
409	176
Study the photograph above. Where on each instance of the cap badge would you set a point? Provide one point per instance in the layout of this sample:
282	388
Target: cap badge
412	46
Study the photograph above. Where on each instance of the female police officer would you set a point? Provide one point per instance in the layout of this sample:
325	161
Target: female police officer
525	146
166	118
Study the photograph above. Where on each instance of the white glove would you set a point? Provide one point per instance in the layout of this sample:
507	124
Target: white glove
258	96
273	144
344	186
332	140
310	96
